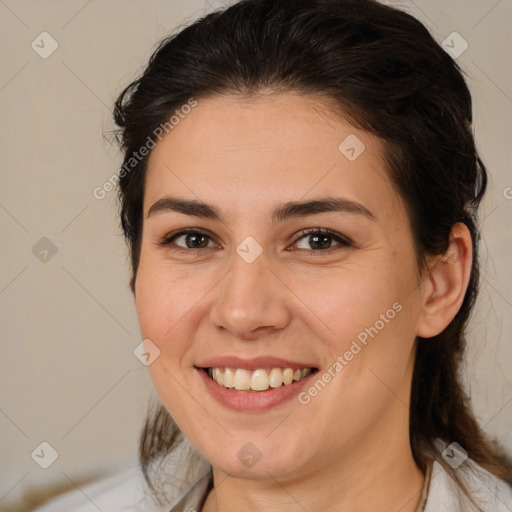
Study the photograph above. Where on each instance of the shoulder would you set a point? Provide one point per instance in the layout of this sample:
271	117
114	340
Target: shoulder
125	490
181	473
490	493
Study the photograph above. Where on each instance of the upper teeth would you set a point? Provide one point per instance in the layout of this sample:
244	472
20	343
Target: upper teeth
257	380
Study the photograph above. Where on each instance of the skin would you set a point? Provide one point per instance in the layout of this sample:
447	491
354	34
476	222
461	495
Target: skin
348	448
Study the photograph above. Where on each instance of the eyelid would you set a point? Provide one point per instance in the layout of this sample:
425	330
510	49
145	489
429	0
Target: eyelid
342	240
167	239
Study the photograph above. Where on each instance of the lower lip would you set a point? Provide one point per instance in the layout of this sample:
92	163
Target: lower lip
253	400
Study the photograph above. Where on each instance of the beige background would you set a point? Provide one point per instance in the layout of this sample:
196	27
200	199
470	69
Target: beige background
68	375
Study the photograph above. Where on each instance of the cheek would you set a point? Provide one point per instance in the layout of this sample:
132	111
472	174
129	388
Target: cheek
366	330
347	300
375	331
161	303
171	302
163	300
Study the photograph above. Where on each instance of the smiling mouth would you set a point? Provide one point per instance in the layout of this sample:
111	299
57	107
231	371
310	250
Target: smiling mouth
262	379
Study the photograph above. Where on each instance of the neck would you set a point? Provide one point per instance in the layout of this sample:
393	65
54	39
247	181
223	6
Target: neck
379	473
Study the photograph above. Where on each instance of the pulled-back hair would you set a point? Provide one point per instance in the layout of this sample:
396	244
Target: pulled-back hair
381	69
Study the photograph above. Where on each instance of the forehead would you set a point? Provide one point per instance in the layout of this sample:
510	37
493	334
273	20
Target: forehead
262	150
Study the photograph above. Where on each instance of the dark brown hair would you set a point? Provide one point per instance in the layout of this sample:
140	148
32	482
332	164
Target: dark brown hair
381	69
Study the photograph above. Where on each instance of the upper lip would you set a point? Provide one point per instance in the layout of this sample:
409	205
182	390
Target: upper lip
253	363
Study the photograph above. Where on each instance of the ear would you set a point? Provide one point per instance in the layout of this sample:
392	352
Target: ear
446	282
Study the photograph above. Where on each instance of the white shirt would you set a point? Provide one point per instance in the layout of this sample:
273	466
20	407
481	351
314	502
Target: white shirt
126	491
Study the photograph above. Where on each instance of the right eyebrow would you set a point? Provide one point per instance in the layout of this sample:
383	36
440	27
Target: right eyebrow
187	207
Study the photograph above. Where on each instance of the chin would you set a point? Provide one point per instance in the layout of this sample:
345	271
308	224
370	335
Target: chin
249	461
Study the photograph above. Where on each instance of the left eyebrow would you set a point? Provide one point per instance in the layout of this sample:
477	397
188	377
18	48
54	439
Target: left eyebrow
281	213
322	205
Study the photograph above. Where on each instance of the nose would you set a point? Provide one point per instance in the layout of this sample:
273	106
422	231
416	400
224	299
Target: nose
251	301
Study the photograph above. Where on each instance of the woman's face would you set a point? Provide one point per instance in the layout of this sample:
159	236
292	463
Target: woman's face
254	286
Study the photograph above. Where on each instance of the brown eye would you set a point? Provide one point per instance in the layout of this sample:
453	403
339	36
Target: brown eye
196	240
189	239
321	240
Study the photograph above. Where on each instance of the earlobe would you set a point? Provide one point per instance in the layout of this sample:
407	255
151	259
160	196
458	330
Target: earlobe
446	283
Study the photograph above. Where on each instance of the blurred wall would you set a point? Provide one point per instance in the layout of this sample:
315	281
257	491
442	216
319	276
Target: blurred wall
68	376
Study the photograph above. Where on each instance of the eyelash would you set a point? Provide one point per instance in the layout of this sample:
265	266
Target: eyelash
343	241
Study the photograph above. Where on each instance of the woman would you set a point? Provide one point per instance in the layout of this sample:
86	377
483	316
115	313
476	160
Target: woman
299	194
